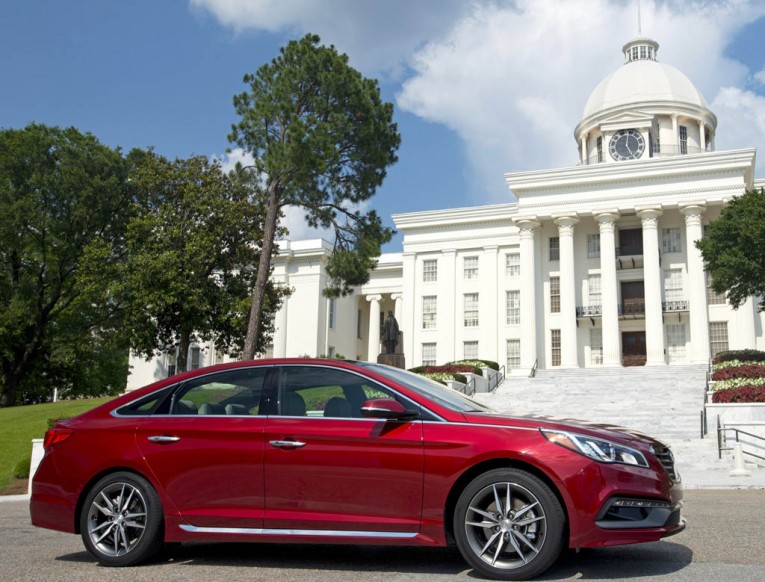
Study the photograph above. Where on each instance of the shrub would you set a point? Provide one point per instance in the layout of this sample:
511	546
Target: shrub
21	471
735	364
444	376
478	363
741	394
741	371
742	355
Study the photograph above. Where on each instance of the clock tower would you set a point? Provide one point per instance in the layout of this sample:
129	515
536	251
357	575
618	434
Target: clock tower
645	109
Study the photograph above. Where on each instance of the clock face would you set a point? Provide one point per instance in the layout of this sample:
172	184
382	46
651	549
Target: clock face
627	144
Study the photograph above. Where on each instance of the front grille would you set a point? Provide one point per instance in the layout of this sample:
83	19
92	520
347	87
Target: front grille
667	459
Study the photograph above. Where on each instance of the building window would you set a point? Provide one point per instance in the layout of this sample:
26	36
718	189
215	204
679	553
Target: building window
429	354
554	294
555	346
513	307
593	285
683	139
430	270
471	267
358	324
718	337
196	358
512	265
470	309
596	346
554	248
172	363
429	312
332	313
593	246
599	143
630	242
714	298
470	350
673	285
513	354
670	240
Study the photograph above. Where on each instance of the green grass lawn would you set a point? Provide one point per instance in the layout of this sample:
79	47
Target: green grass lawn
20	424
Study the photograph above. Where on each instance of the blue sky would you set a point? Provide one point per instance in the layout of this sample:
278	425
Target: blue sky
480	87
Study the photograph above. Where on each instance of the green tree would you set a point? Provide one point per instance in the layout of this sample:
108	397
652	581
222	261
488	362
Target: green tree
190	258
61	191
734	248
321	139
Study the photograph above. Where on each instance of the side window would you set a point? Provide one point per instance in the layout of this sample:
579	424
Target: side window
324	392
232	393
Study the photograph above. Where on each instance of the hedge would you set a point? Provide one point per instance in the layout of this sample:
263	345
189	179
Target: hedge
741	371
742	355
477	363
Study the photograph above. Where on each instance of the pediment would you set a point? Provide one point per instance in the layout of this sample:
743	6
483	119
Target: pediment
627	120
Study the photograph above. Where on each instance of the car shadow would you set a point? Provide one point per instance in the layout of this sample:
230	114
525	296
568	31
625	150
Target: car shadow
634	561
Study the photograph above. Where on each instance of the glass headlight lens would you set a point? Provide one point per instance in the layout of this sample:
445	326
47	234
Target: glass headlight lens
597	449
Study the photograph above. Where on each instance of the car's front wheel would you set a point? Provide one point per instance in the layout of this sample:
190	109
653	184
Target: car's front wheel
509	525
121	520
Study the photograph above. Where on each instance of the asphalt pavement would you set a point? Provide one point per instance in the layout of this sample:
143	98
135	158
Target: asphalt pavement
723	541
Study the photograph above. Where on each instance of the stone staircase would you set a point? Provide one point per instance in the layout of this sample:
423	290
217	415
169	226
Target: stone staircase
662	401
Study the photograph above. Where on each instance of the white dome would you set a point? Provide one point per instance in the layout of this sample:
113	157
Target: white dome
640	82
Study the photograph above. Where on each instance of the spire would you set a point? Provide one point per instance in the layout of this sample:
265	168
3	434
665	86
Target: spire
640	23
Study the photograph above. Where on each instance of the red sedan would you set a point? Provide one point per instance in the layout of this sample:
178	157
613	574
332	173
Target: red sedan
331	451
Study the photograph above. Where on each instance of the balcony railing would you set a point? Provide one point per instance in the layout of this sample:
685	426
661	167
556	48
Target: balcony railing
636	308
676	305
589	311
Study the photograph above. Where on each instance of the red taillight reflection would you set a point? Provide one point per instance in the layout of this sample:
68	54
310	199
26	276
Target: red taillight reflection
55	436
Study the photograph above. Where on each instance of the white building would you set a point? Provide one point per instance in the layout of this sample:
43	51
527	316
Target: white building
594	265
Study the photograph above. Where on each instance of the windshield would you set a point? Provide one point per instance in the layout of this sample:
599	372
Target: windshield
431	389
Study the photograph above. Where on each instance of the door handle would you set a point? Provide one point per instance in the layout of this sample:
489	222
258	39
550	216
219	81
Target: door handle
164	439
286	444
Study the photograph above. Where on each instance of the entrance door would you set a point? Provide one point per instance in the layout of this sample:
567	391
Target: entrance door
633	348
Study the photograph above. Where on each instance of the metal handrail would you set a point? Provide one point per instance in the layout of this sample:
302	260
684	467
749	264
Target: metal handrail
470	382
722	439
497	379
534	369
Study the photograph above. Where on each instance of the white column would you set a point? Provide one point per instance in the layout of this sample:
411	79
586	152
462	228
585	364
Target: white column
398	310
447	318
407	323
741	333
654	325
584	150
702	136
528	292
676	134
608	289
567	292
374	327
697	285
488	315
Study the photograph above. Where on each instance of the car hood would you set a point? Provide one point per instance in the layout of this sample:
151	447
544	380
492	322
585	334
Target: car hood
608	431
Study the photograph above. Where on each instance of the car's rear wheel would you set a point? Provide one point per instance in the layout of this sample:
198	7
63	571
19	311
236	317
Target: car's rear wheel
121	520
509	525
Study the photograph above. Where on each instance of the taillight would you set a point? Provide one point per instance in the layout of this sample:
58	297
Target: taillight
55	436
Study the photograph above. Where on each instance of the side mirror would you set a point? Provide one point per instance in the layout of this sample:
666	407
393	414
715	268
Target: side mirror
387	408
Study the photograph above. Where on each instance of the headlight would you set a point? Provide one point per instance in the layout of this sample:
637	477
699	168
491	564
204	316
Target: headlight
597	449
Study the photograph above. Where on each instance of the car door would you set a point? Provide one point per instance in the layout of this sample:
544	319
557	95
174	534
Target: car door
207	451
327	468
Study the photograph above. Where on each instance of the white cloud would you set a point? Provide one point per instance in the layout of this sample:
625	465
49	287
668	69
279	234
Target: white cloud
379	36
513	81
742	114
759	76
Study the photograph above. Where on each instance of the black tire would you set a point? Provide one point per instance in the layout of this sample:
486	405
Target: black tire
121	520
509	541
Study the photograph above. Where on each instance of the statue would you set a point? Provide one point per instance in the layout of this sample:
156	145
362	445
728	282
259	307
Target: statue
390	334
